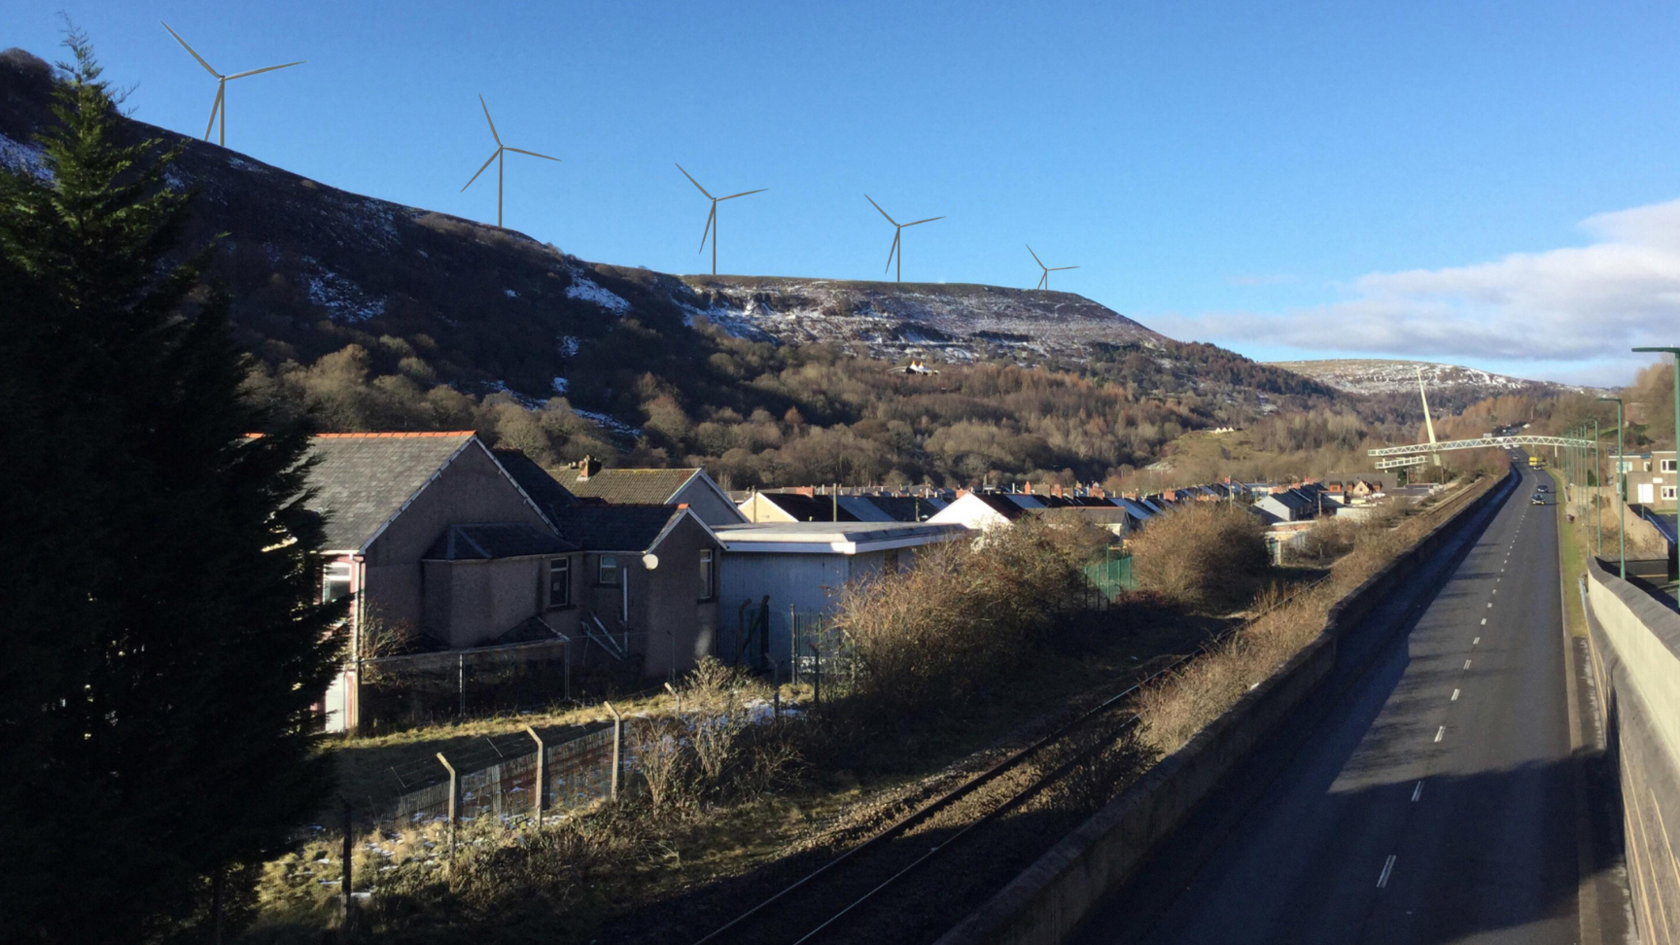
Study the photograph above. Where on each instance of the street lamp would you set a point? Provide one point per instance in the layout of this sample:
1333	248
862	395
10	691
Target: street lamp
1621	490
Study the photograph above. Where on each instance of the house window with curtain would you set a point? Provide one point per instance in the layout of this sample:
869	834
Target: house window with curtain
708	574
559	583
607	572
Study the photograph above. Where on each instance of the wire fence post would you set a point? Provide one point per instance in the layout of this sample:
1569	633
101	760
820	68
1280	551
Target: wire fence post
454	793
542	769
345	878
461	682
618	745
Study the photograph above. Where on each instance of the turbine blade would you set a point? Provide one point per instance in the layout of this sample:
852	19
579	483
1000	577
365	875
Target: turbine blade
215	110
708	231
894	249
1034	255
745	193
883	212
486	108
195	55
241	75
495	154
533	153
928	220
696	183
1062	268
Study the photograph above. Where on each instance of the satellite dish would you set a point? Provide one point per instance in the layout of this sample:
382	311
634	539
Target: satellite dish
650	561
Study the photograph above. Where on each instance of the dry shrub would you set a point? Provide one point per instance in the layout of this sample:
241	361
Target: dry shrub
964	615
665	760
1328	540
1205	556
715	715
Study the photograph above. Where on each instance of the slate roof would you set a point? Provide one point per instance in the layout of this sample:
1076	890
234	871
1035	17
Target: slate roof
1004	504
549	495
497	540
626	486
361	480
805	508
905	508
601	527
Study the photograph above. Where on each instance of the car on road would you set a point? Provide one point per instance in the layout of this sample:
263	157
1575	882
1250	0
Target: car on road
1539	498
1542	487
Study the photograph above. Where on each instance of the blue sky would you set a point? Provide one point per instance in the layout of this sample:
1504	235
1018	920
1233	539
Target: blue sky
1291	179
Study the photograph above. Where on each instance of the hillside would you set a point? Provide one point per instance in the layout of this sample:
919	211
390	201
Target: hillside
1381	376
379	315
955	322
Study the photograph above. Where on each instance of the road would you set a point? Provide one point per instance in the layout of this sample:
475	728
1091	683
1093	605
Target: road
1429	799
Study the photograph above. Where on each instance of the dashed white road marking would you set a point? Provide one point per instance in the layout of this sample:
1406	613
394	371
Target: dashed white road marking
1490	604
1455	696
1466	664
1440	732
1388	868
1477	640
1484	621
1417	792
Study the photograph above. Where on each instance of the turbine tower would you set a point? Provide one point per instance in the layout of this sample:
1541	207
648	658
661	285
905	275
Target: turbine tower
711	218
498	157
220	106
898	231
1044	280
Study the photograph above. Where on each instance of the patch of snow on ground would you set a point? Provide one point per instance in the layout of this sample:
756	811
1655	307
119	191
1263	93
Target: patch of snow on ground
606	421
20	156
568	346
511	294
582	288
529	403
561	385
343	299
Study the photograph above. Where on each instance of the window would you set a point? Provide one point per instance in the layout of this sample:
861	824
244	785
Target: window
607	573
708	574
559	582
335	581
1668	465
1668	493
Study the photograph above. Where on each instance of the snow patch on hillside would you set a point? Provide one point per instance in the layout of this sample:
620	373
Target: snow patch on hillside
1381	376
344	300
608	422
582	288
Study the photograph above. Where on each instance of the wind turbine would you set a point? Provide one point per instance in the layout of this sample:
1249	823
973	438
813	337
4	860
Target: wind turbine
711	219
897	249
497	156
220	107
1044	280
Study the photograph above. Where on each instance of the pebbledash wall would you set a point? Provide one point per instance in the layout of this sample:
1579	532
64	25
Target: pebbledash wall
1636	663
1049	901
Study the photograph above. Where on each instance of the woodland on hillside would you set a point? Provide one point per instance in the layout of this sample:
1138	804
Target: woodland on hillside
758	414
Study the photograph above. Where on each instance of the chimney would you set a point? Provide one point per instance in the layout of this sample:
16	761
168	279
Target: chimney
1026	487
586	467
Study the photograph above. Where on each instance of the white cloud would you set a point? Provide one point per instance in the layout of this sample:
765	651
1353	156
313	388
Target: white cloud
1579	304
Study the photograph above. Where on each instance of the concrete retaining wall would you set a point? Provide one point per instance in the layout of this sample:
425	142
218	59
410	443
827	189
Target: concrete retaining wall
1636	663
1048	902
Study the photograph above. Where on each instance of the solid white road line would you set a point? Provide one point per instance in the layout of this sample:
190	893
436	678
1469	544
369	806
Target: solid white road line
1388	868
1439	732
1417	792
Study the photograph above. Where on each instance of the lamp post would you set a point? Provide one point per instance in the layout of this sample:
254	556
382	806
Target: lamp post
1676	353
1621	491
1598	489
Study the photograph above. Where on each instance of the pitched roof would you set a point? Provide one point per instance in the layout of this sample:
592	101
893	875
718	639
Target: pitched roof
496	540
548	494
362	480
600	527
626	486
805	508
906	508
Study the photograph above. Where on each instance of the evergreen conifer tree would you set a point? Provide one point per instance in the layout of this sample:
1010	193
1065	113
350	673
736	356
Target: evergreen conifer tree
160	644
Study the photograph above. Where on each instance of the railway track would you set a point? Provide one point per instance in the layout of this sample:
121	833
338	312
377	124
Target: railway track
830	902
